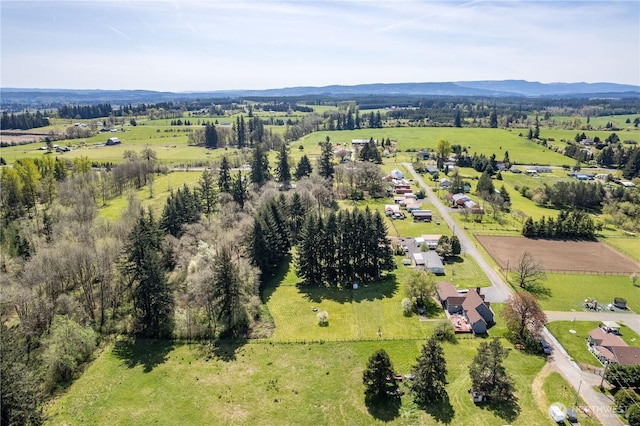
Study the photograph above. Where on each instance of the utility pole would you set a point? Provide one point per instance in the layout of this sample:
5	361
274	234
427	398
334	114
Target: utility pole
604	373
575	404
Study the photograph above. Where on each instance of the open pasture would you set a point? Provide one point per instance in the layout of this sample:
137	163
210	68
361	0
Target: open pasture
559	256
478	140
246	383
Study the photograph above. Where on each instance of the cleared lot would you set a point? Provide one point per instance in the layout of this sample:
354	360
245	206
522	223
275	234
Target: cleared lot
559	256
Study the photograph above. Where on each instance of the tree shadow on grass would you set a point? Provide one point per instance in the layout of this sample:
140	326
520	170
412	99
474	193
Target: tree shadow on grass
383	409
442	411
385	288
226	350
506	410
539	291
271	283
148	353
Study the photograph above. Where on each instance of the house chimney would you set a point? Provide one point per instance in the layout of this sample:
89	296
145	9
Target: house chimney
478	290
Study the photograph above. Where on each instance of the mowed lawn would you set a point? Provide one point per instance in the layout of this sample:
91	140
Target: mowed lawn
628	245
353	314
569	291
575	343
165	383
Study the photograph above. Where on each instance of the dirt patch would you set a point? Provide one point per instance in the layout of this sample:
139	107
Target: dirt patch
536	387
589	257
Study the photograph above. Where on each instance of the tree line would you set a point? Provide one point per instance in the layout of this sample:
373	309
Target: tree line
574	224
23	121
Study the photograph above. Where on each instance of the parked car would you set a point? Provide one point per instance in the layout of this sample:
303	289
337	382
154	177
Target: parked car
545	347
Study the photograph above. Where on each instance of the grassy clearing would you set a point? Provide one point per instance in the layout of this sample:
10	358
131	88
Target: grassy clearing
569	291
353	314
575	344
171	383
629	246
556	389
162	187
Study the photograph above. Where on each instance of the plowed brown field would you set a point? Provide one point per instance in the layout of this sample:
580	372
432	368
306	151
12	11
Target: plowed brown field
559	256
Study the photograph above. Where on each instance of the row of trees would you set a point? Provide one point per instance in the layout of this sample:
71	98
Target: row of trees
338	249
23	121
573	194
573	224
429	376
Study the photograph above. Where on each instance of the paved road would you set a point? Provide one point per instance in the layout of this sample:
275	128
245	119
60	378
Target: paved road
582	381
598	404
499	291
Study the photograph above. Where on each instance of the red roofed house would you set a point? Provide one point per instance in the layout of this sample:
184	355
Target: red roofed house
609	348
472	305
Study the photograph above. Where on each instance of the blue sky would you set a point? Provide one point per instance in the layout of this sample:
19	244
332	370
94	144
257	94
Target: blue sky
220	45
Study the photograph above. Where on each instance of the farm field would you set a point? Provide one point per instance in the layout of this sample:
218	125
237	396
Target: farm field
575	344
269	383
559	256
629	246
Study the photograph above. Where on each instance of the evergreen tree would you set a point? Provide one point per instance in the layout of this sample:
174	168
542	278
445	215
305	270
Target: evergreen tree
457	121
210	136
325	162
297	215
283	171
456	248
259	165
207	192
228	294
241	132
224	176
379	377
493	119
430	374
239	190
304	168
485	186
152	296
487	373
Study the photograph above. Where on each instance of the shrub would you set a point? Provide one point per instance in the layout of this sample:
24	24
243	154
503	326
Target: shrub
407	307
68	345
624	399
323	318
633	415
444	331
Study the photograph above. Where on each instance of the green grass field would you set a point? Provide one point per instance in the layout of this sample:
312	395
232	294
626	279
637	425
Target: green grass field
162	187
568	291
628	245
575	344
172	383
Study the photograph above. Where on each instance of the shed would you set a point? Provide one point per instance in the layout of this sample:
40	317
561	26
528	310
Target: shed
113	141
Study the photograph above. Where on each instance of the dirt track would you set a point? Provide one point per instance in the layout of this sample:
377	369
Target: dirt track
559	256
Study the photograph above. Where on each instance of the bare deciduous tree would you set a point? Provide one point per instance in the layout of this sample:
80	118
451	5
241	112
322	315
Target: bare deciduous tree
530	271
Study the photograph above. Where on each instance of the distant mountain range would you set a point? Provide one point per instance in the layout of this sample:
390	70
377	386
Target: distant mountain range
487	88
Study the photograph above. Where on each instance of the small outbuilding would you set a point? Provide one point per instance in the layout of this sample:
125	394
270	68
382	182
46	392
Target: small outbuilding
113	141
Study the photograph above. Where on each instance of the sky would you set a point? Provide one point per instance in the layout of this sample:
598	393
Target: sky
228	45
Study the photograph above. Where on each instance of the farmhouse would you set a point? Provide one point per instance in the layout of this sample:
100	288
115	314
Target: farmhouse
609	348
429	261
465	309
113	141
414	205
402	189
